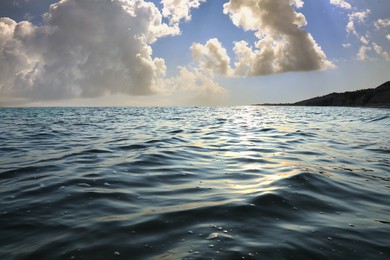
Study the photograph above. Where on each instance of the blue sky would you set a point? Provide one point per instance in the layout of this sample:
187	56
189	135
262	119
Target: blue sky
195	52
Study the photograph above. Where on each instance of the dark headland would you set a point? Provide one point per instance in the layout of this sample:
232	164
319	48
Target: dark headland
372	97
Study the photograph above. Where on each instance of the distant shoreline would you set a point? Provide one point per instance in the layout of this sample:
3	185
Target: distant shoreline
294	105
373	97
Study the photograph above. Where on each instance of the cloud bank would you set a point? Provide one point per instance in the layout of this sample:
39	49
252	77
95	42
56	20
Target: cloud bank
84	48
95	48
283	45
89	48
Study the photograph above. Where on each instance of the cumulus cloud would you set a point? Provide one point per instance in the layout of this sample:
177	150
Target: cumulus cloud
282	46
83	49
177	10
95	48
194	86
19	61
264	15
341	3
212	57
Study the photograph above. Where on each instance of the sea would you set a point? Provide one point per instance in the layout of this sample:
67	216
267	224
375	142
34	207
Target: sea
246	182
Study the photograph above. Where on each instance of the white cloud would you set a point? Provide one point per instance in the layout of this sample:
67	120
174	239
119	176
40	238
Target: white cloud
364	40
282	46
379	50
212	57
87	49
195	87
362	54
382	23
263	16
19	63
356	17
83	49
341	4
388	37
177	10
368	50
297	3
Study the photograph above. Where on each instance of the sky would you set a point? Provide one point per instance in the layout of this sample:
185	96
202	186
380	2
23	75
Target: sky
189	53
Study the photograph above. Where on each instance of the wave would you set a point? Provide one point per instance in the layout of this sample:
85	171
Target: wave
172	183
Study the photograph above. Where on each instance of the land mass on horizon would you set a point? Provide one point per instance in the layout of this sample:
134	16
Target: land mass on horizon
372	97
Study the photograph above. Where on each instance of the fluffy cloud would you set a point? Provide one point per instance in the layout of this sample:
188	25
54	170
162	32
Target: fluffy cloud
19	60
372	51
341	3
356	17
212	57
362	54
264	16
95	48
384	26
282	46
379	51
194	86
382	23
177	10
83	48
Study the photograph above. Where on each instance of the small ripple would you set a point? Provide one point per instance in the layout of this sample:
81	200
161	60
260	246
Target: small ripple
379	118
194	183
132	147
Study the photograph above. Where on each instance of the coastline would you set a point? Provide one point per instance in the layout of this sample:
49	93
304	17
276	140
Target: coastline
378	97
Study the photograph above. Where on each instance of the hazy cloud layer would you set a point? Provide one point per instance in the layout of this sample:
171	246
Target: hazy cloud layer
282	46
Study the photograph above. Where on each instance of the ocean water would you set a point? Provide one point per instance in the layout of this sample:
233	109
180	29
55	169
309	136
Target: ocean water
195	183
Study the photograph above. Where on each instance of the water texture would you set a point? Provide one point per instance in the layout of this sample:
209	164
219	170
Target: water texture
195	183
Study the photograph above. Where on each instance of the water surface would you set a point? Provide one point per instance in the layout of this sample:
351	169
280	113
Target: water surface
195	183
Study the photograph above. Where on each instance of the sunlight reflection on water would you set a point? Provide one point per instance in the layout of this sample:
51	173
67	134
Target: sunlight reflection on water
194	183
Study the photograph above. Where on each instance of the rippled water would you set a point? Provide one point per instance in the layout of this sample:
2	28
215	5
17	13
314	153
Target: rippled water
195	183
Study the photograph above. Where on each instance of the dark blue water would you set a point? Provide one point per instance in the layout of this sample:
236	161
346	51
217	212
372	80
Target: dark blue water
195	183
